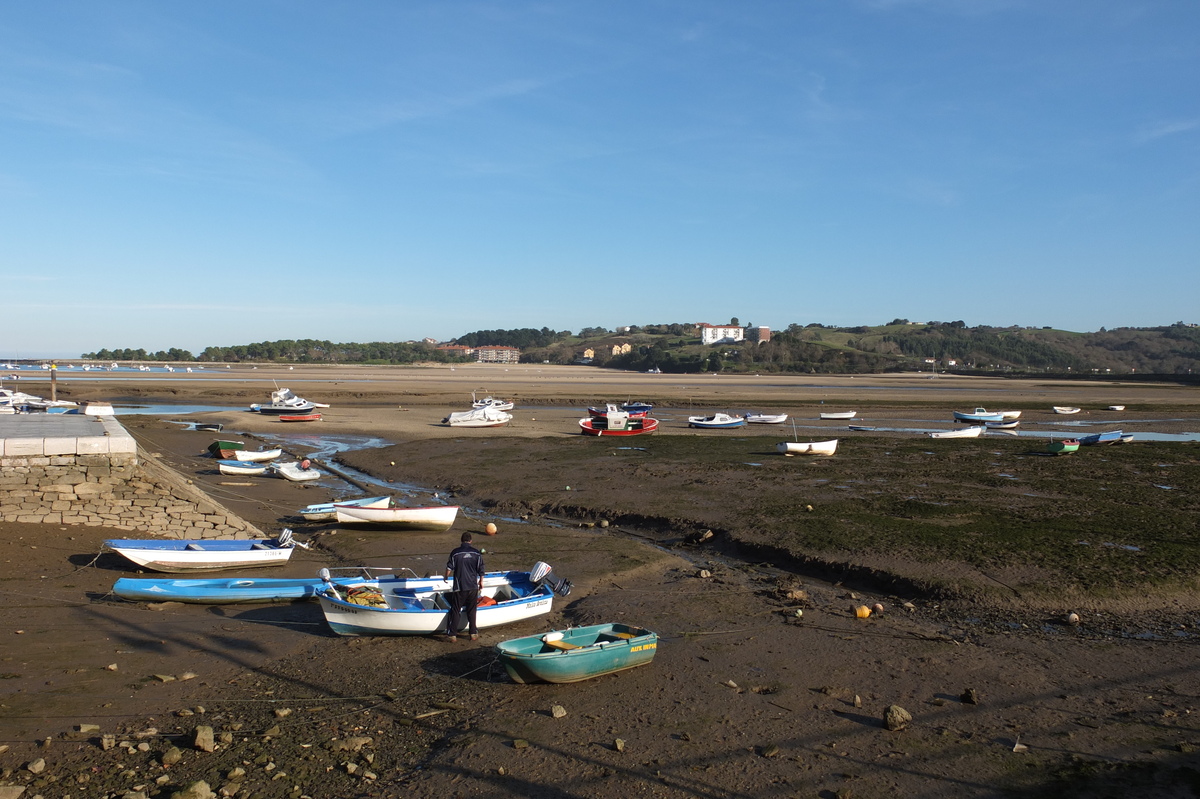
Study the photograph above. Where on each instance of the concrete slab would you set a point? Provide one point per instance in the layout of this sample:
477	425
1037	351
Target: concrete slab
35	434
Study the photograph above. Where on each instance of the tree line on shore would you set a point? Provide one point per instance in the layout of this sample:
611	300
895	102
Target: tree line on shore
812	348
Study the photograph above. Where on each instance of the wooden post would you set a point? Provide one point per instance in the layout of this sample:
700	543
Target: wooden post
53	382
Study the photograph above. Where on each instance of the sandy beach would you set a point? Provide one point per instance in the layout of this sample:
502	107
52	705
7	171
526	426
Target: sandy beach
746	696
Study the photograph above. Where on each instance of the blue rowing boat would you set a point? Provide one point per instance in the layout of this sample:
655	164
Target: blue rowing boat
228	591
1109	437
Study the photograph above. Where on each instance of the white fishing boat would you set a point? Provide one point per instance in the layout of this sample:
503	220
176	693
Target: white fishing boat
839	415
241	468
717	421
490	402
807	447
765	418
962	432
478	417
179	555
1065	409
367	610
978	416
284	400
1116	407
436	518
255	456
327	511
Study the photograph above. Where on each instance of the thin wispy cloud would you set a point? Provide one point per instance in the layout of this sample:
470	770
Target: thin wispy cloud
1164	129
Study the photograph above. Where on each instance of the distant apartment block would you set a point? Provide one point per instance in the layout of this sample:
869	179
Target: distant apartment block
759	333
497	355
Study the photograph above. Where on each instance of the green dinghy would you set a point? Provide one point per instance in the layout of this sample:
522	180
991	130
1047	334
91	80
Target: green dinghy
577	653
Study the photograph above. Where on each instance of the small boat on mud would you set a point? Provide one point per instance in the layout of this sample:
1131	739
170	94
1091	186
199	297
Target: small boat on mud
807	448
617	423
765	418
285	401
367	610
180	555
241	468
577	653
229	591
839	415
1108	437
963	432
1063	447
1065	409
327	511
478	417
718	421
255	456
300	417
434	519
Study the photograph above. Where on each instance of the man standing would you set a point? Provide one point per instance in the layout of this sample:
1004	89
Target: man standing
466	566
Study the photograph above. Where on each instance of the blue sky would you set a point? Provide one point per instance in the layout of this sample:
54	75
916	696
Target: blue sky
183	174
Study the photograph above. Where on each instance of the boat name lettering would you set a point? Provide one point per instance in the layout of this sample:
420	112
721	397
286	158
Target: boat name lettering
643	647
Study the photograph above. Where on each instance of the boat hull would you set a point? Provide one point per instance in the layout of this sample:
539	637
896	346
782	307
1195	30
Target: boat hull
598	426
240	469
300	417
966	432
594	651
422	612
807	447
1108	437
1064	447
327	511
230	591
718	421
256	456
434	519
765	418
840	415
208	555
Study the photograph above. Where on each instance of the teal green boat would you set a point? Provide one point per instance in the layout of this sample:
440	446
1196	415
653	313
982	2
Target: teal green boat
1064	447
577	653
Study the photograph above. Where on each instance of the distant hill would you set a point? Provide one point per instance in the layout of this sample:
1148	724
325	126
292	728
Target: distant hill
899	346
814	348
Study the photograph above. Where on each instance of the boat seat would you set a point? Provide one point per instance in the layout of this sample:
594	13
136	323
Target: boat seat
257	545
563	645
618	636
194	546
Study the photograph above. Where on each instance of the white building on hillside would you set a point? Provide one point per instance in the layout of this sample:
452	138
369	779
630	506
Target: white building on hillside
720	334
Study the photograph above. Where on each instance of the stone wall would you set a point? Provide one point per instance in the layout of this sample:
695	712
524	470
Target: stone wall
112	489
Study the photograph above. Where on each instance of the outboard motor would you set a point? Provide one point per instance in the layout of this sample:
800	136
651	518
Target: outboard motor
542	573
328	581
285	538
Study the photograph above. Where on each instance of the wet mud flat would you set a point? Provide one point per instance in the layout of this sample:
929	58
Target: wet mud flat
744	697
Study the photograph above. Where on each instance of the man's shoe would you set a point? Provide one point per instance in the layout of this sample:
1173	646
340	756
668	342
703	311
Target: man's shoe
474	636
452	638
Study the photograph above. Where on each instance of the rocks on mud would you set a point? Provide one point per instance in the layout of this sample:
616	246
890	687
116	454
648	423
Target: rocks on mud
558	711
204	739
896	718
970	697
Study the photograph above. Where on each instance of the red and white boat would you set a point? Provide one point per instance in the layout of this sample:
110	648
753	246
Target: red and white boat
617	423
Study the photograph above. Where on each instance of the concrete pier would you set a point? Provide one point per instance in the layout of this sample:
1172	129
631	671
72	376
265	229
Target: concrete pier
79	469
